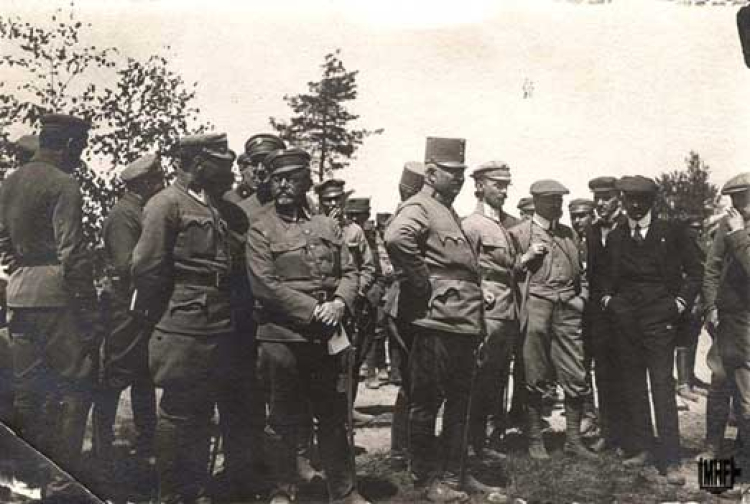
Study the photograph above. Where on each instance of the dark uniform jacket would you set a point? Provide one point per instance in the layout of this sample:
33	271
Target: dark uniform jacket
294	266
121	231
181	264
726	283
364	260
596	255
499	260
441	286
41	236
678	256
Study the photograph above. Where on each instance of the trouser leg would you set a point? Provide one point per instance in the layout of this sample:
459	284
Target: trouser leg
718	405
460	366
104	412
143	403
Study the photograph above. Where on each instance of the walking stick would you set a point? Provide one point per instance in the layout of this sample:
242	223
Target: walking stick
350	357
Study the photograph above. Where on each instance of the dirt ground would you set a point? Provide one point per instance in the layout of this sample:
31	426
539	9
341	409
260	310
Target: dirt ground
559	480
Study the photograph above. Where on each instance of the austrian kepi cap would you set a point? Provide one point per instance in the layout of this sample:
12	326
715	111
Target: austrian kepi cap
412	176
446	153
330	188
144	165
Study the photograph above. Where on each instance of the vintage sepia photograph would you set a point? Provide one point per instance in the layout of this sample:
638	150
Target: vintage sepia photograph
374	251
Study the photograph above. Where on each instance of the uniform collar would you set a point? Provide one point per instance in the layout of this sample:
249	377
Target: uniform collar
489	212
643	223
542	222
303	213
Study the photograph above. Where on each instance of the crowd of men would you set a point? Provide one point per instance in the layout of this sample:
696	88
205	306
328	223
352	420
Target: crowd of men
253	299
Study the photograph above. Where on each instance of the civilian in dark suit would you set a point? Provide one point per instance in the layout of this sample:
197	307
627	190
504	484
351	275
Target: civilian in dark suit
654	275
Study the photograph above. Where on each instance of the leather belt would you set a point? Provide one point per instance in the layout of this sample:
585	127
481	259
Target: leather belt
216	279
460	275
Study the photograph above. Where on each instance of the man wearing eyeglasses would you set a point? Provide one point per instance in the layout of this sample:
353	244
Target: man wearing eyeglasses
304	279
488	228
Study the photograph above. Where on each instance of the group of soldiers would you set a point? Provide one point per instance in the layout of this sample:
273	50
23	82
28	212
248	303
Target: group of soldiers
252	299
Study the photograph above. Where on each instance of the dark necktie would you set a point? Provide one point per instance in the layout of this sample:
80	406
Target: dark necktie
637	236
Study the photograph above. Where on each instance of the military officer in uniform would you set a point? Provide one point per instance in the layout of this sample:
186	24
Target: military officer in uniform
180	271
555	293
441	298
255	176
653	275
488	228
526	207
51	295
581	212
126	346
727	299
305	281
332	199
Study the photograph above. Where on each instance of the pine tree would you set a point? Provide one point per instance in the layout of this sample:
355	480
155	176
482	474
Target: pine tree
687	193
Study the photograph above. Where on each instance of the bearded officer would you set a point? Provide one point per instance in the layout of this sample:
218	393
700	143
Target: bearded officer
51	296
126	347
441	297
305	281
498	261
653	275
180	271
556	294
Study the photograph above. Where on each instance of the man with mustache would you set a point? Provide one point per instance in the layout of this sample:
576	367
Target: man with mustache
253	193
441	298
557	292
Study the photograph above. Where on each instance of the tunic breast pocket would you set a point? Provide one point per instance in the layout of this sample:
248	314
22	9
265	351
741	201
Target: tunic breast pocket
454	246
198	236
326	250
291	259
496	247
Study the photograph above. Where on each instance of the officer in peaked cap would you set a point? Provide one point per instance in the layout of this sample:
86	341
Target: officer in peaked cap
727	299
252	170
581	212
332	198
526	207
51	295
654	274
304	280
426	241
412	179
125	348
488	227
552	310
180	273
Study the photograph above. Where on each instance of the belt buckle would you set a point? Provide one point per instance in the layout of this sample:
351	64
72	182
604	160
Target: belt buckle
321	296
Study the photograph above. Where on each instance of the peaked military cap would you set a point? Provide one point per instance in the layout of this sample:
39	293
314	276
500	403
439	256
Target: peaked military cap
581	205
547	187
526	204
637	184
358	205
243	159
738	183
259	146
28	144
447	153
603	184
63	125
412	175
191	145
493	170
330	188
144	165
286	160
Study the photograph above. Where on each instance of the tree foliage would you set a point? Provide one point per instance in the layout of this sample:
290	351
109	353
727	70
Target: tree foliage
687	193
321	123
134	106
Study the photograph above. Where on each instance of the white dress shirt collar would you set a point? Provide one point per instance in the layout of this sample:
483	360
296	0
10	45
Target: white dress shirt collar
542	222
643	223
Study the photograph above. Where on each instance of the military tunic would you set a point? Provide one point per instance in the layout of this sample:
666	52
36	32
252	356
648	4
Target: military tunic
441	297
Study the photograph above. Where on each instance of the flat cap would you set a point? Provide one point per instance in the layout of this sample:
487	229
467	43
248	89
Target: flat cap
28	144
144	165
637	184
286	160
738	183
64	125
412	175
493	170
602	184
447	153
193	144
526	203
382	218
259	146
357	205
547	187
330	188
581	205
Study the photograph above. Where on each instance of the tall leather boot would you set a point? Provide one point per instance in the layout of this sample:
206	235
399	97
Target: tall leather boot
684	373
573	443
534	429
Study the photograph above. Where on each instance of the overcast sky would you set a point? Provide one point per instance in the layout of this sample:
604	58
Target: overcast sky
621	88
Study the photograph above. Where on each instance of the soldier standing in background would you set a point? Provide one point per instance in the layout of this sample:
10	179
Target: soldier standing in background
653	275
304	279
727	303
555	291
181	268
526	207
332	199
441	297
125	347
488	228
255	174
51	296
